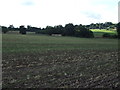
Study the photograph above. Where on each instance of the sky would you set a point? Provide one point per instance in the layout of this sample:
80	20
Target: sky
42	13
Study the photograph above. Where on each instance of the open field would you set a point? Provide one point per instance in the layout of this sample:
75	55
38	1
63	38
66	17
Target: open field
36	61
23	43
99	33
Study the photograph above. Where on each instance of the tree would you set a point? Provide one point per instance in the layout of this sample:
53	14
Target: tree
118	30
4	29
49	30
81	31
69	30
22	29
28	26
11	27
92	26
58	29
108	24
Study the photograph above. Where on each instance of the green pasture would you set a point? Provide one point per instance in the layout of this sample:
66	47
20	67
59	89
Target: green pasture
32	42
100	32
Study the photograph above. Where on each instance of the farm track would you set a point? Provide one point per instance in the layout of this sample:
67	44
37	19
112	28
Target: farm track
63	69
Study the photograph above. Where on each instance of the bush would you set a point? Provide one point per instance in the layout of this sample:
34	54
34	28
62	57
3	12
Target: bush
83	32
114	36
41	32
107	35
22	30
4	29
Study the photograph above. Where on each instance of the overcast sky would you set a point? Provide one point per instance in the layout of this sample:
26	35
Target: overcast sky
41	13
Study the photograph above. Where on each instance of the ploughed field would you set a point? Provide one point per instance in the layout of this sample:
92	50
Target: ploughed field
33	61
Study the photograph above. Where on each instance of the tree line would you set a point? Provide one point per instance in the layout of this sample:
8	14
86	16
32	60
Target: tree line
106	25
68	30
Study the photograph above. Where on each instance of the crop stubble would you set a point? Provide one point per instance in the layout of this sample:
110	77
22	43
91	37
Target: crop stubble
61	68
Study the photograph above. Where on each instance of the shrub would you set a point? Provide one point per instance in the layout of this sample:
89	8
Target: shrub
114	36
22	30
4	29
41	32
107	35
83	32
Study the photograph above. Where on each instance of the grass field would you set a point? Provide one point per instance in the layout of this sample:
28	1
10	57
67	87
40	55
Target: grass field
21	43
99	33
37	61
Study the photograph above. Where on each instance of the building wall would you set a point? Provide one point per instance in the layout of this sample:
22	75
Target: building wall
119	11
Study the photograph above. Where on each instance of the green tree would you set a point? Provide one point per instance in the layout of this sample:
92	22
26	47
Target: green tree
49	30
58	29
4	29
69	30
92	26
22	29
81	31
11	28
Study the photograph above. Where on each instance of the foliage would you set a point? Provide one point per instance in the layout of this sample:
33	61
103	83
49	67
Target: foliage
41	32
32	29
58	29
107	35
83	32
106	25
4	29
50	30
118	29
114	36
69	30
22	30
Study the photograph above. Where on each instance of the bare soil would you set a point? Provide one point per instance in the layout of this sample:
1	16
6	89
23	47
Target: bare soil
61	69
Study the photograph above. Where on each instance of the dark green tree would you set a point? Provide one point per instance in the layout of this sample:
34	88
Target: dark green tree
11	28
58	29
22	29
92	26
81	31
69	30
4	29
49	30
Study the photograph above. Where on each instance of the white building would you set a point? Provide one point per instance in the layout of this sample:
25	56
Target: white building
119	11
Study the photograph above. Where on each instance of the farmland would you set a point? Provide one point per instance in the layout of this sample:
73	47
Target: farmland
21	43
100	32
35	61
